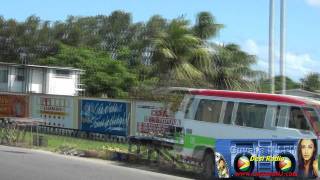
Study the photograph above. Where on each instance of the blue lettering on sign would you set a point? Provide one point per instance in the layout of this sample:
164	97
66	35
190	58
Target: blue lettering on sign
106	117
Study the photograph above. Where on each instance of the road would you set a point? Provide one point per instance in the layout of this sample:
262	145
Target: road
26	164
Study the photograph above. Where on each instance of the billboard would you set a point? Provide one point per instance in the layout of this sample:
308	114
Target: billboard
142	110
55	110
105	116
153	120
13	105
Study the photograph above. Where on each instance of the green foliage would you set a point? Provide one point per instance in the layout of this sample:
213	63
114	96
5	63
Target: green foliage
206	26
265	84
122	58
290	84
25	41
311	82
103	75
174	51
230	69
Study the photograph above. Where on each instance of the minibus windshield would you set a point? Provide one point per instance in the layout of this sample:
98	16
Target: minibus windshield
313	117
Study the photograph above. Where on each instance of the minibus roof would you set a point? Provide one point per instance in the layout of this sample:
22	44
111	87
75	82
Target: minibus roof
300	101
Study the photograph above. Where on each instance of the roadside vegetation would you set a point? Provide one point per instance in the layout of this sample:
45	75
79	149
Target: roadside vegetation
92	147
125	59
63	144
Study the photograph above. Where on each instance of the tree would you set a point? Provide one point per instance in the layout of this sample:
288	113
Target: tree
265	84
311	82
174	50
115	32
38	39
103	75
8	42
206	26
173	53
230	68
153	28
25	41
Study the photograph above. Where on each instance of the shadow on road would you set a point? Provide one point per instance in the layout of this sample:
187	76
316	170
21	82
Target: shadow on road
15	152
153	167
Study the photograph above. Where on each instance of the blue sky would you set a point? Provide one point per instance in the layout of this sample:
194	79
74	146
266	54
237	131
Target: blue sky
246	22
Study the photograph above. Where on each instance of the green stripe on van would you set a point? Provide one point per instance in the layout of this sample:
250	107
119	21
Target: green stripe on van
191	141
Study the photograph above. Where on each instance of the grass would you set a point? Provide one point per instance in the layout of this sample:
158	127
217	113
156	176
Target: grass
55	142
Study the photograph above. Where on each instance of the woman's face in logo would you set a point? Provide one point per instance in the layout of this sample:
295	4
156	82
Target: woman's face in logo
307	149
221	163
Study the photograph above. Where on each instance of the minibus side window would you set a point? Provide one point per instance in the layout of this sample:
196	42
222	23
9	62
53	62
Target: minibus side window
251	115
297	119
228	113
209	110
281	116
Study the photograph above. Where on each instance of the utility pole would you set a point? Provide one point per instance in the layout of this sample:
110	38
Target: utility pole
271	46
283	44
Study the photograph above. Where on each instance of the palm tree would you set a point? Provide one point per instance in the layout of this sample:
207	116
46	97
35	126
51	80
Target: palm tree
230	69
206	26
174	51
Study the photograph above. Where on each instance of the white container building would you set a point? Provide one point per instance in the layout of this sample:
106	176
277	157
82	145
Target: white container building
21	78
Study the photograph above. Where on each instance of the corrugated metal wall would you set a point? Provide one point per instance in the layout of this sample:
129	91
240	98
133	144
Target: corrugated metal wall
14	105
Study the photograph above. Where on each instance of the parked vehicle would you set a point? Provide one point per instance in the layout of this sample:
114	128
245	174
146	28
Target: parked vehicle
207	115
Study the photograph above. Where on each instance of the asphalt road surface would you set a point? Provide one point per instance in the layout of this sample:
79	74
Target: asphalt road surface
26	164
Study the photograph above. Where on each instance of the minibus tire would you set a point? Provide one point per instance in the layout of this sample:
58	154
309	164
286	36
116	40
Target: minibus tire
208	166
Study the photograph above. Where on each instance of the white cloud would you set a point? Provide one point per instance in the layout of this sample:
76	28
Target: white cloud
313	3
297	65
251	47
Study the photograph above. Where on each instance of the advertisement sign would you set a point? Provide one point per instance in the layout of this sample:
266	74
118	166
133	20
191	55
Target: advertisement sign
266	158
57	111
105	116
153	120
13	105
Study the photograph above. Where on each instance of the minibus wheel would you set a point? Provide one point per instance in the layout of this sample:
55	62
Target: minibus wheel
208	166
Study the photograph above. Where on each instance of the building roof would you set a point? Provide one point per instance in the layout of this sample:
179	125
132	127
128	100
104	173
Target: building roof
39	66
